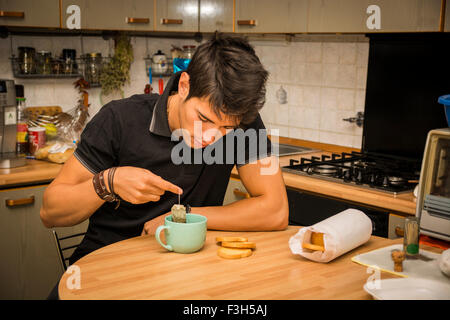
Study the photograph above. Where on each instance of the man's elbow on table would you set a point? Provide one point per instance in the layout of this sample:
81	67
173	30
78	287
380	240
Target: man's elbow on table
281	220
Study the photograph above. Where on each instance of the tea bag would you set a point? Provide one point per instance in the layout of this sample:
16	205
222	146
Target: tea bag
179	213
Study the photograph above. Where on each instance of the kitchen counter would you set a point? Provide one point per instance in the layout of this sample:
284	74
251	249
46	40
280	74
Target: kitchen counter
403	203
38	171
34	172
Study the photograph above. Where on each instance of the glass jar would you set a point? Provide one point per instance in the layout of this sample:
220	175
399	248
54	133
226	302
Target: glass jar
188	51
43	62
69	60
93	67
27	60
411	237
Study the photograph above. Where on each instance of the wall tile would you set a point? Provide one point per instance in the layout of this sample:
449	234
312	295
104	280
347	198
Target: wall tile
347	53
311	97
330	52
345	99
314	52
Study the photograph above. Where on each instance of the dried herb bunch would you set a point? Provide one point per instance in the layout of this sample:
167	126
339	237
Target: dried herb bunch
117	71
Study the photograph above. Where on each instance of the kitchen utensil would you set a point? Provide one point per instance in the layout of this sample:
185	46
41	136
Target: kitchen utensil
161	85
186	237
159	63
409	289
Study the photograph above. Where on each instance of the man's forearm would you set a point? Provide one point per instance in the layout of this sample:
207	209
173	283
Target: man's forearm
68	205
253	214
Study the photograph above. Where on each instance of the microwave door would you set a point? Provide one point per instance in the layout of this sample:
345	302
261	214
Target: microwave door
440	185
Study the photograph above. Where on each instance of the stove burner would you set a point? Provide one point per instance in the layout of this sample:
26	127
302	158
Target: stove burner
396	181
325	169
381	173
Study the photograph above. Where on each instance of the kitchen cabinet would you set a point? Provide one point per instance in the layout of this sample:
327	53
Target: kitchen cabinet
30	13
127	15
30	266
366	16
216	15
235	191
281	16
177	15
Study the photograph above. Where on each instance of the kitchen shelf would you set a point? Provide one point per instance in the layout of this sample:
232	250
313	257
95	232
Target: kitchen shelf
18	74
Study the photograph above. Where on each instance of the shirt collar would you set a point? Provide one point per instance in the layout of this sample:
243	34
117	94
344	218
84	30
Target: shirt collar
160	123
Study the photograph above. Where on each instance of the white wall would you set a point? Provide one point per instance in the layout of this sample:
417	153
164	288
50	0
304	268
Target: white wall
324	77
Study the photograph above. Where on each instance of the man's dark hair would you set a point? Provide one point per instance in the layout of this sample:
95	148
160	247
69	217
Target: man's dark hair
228	72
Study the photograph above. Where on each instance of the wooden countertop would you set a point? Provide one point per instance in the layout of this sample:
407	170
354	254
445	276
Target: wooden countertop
34	172
139	268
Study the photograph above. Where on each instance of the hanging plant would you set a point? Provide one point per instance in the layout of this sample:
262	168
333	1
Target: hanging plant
117	71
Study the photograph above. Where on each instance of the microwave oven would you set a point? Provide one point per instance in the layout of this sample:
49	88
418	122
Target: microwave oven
433	197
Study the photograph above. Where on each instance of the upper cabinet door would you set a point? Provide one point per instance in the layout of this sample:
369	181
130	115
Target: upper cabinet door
177	15
30	13
108	14
366	16
216	15
271	16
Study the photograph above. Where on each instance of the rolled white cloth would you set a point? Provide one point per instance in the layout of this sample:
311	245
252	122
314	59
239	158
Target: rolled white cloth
341	233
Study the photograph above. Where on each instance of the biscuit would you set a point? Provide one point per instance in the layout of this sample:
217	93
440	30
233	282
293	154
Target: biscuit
239	244
233	253
231	239
314	247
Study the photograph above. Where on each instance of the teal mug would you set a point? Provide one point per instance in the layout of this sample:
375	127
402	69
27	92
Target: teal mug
183	237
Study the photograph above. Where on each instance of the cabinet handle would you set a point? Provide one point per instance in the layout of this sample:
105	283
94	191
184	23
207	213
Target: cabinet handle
399	231
19	202
171	21
240	193
12	14
250	23
137	20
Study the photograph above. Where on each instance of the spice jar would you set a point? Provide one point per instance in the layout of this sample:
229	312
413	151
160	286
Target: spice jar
27	60
44	62
93	67
69	60
188	51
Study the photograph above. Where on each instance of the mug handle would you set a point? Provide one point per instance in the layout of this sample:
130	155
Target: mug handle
158	231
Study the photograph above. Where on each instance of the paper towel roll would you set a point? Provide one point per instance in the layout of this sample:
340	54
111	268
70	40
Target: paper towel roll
342	233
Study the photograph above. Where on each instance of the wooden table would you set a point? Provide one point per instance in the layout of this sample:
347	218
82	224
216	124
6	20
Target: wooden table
139	268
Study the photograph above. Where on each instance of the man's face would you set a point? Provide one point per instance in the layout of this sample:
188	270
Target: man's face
199	120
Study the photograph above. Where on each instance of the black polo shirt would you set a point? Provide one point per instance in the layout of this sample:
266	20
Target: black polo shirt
135	132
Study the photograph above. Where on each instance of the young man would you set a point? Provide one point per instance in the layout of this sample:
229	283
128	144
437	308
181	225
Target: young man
222	89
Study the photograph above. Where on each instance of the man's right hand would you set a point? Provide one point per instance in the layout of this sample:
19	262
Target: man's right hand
138	185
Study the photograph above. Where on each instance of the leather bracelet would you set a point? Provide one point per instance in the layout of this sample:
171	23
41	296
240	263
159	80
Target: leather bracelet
100	188
111	173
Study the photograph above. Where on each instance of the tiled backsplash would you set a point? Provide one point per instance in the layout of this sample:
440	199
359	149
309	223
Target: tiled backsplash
324	78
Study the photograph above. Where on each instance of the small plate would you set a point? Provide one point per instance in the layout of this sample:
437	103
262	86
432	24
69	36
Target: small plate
410	289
